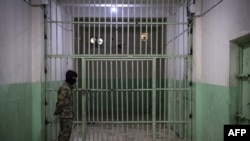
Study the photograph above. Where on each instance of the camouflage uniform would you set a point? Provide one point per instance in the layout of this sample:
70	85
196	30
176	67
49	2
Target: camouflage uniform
64	108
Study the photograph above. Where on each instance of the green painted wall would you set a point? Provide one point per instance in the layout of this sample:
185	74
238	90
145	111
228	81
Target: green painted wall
20	108
21	111
212	110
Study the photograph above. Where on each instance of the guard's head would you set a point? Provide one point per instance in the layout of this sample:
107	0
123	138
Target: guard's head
71	77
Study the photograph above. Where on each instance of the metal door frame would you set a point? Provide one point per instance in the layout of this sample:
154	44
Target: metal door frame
154	89
119	59
241	76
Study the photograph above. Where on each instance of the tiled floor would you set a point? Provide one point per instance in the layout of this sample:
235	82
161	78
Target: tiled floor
124	132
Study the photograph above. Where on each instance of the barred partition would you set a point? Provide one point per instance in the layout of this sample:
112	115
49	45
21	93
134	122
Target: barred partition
133	58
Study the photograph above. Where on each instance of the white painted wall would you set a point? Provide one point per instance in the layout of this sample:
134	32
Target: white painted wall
22	42
15	42
225	22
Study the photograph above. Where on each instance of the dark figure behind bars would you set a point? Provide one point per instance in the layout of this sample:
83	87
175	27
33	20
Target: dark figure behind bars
64	106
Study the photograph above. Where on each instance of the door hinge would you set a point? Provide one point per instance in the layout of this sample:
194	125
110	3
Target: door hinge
190	83
45	70
46	122
190	116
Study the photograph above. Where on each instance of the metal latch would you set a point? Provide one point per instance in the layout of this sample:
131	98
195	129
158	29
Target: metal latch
243	76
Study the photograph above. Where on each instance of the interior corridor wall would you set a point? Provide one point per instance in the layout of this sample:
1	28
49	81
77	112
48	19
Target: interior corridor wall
216	23
21	58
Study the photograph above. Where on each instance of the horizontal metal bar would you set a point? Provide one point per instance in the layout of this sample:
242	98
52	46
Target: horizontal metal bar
118	59
121	23
157	89
131	122
115	57
127	90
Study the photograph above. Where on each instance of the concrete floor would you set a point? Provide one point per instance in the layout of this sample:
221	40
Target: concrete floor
123	132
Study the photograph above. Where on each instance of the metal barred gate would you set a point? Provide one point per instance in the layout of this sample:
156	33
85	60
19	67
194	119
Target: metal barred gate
134	67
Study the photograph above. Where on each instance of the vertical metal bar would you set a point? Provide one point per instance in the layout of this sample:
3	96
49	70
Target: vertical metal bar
132	89
142	96
89	27
63	29
147	96
137	94
102	100
189	78
165	95
97	93
112	97
116	30
169	92
146	42
122	95
140	52
157	9
111	38
50	30
78	30
107	93
56	30
73	30
83	30
93	94
77	62
105	28
121	99
160	92
134	45
154	99
174	95
128	19
89	95
84	94
162	28
151	28
94	20
117	93
46	45
123	28
99	27
126	87
185	97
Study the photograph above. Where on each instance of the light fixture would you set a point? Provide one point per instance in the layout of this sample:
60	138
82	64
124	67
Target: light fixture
99	41
113	9
96	41
92	40
144	36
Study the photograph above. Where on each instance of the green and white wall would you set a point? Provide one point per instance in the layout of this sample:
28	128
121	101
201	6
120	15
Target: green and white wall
215	26
21	59
22	68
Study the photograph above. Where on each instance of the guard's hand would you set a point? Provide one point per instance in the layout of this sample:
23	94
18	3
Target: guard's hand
58	111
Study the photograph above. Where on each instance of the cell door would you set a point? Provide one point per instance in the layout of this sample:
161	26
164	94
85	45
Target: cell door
130	99
120	102
244	84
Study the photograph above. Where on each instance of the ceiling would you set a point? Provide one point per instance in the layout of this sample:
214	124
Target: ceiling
128	8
